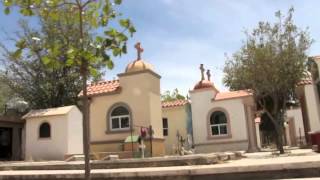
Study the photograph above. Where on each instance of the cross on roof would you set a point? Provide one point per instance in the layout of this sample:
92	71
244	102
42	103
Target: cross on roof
208	74
202	72
139	50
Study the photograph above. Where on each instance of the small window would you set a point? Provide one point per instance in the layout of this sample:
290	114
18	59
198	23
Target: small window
218	124
120	118
165	126
44	131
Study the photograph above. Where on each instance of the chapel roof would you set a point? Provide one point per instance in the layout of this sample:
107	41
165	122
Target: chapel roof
175	103
138	65
232	94
304	82
203	84
102	87
317	57
48	112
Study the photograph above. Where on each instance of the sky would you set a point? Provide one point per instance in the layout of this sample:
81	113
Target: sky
179	35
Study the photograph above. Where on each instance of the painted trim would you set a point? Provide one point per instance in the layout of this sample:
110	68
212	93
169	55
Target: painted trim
209	134
108	119
139	72
221	142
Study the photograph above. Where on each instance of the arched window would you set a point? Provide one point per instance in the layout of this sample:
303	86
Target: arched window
218	123
44	130
120	118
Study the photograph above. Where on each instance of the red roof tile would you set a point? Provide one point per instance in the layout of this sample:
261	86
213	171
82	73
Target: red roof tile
176	103
102	87
316	57
304	82
232	94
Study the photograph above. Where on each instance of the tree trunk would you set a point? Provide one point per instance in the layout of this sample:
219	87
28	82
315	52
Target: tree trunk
86	135
279	138
280	143
85	108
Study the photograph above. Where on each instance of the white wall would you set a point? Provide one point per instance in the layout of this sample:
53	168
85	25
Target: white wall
53	148
75	133
312	102
296	114
201	107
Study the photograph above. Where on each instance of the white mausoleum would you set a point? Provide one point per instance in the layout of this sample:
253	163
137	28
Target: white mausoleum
51	134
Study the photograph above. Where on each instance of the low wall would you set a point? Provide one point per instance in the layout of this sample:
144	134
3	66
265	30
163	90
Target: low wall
222	147
260	172
123	163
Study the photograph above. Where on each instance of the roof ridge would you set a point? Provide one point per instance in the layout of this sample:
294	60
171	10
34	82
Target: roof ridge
103	82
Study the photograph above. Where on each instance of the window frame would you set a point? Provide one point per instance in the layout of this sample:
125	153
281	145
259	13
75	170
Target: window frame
165	128
227	124
39	131
119	121
109	119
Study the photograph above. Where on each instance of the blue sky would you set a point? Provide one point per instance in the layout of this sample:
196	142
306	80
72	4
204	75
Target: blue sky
178	35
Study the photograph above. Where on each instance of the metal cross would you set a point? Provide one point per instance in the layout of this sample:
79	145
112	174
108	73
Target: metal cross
202	72
139	50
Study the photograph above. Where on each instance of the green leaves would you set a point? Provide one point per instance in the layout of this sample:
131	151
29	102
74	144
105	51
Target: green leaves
46	60
110	64
63	20
271	62
7	10
17	54
26	12
118	2
124	23
21	44
172	96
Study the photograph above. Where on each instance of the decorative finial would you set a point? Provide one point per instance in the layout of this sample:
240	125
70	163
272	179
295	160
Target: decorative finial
139	50
202	72
208	74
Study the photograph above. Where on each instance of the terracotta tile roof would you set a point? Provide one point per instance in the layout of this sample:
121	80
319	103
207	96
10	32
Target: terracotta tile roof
102	87
232	94
304	82
316	57
176	103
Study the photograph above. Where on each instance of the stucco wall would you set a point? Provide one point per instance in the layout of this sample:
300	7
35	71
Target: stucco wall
231	146
141	93
53	148
296	114
177	121
75	138
312	101
202	106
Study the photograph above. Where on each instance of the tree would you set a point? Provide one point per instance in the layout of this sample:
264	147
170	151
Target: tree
27	72
270	63
5	95
98	15
171	96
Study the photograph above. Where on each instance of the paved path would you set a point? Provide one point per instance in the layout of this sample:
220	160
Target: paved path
247	165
